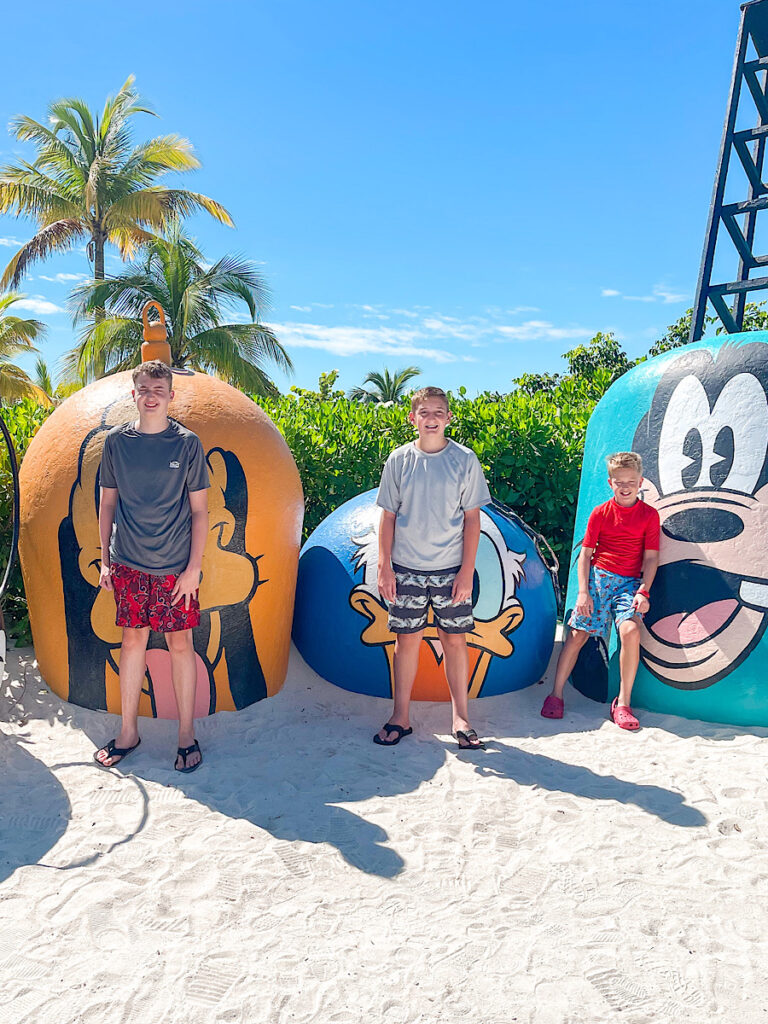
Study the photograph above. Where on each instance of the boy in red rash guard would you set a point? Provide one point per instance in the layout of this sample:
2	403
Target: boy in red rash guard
617	564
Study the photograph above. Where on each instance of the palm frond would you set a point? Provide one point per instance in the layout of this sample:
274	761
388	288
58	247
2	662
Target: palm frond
57	237
15	384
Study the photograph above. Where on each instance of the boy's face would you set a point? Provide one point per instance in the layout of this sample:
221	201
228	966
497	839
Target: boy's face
625	484
431	417
152	395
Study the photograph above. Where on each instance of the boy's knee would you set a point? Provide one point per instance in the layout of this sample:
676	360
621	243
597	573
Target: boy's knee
452	640
578	637
408	640
630	630
135	639
180	641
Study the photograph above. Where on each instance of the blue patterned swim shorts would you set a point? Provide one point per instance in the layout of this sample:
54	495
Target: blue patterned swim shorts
612	597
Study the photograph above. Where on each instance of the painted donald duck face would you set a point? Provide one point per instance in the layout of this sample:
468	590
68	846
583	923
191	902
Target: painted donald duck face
496	608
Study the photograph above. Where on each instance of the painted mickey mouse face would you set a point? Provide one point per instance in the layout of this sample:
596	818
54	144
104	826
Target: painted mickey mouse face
704	444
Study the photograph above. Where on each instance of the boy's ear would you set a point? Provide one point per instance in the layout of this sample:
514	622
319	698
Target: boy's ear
412	418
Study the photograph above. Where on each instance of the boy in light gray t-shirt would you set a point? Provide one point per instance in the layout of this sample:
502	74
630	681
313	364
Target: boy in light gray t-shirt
431	493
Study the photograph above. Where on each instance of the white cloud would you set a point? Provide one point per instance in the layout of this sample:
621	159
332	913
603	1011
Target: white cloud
64	278
302	309
410	313
11	243
659	293
355	341
667	295
38	304
541	330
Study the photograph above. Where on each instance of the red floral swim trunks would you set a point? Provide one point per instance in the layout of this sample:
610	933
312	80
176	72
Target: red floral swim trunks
145	600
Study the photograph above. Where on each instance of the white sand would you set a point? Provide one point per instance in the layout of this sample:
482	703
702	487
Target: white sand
573	874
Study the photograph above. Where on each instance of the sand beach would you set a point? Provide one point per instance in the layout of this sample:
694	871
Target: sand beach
572	874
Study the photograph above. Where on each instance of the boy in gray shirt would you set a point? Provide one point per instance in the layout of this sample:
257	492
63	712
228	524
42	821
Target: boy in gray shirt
153	524
430	494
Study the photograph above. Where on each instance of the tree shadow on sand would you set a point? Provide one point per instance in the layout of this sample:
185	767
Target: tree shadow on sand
537	770
34	807
303	753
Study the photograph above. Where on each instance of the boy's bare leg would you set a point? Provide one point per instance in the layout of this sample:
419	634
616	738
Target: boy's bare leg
406	663
133	665
184	677
629	658
569	654
457	674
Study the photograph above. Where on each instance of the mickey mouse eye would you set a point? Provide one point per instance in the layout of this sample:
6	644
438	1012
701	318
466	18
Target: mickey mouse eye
488	588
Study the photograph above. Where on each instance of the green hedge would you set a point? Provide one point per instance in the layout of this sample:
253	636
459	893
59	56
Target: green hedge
530	447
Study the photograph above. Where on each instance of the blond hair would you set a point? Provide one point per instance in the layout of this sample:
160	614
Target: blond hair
624	460
424	393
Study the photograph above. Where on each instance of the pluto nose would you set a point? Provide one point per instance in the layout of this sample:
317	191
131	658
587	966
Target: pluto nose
703	525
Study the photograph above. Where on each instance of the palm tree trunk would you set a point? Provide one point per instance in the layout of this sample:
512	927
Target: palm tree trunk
98	240
98	255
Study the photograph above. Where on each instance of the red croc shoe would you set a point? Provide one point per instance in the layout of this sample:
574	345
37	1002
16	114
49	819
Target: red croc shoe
623	717
553	707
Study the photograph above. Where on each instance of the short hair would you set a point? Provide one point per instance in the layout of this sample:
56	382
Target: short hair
156	369
624	460
424	393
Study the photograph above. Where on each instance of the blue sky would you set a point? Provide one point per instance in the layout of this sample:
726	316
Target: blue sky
471	188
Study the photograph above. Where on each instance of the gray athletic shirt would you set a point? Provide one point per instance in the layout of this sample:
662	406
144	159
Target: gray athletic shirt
429	492
153	474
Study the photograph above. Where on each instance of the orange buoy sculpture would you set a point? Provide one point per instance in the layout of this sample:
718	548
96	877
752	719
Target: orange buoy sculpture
250	561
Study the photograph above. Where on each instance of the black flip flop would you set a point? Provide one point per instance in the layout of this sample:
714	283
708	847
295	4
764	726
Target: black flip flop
114	751
468	735
184	752
388	729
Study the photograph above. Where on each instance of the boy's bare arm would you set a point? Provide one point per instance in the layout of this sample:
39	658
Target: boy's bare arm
462	585
584	603
386	577
107	506
189	580
641	602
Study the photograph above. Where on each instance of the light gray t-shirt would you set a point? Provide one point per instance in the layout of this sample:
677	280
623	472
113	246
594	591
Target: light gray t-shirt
153	474
429	494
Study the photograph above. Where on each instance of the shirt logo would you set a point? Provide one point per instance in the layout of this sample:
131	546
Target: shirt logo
173	465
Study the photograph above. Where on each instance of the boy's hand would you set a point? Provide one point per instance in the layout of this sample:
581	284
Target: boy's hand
461	593
640	603
387	583
105	578
186	587
584	603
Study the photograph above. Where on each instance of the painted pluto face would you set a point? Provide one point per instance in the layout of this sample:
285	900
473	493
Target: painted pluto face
704	443
496	608
229	675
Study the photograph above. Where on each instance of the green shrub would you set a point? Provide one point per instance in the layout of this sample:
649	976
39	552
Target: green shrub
23	420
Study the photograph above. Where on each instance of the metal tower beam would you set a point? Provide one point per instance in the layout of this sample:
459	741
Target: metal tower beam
753	27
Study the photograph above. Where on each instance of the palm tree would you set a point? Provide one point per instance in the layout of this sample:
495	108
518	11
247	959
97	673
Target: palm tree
16	336
195	297
385	387
88	182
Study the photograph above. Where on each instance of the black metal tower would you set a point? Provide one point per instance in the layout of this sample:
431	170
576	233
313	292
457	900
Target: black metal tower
750	148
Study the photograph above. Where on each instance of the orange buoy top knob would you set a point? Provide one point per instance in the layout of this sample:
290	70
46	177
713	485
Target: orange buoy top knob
155	334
